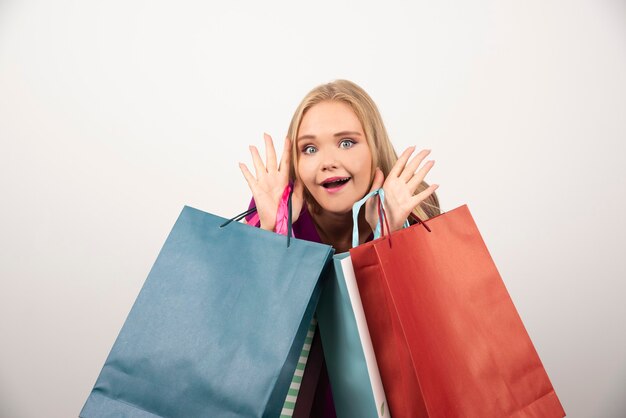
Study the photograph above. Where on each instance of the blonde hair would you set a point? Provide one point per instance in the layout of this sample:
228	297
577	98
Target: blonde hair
383	154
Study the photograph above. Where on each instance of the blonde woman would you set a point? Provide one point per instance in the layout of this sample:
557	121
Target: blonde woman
340	151
336	151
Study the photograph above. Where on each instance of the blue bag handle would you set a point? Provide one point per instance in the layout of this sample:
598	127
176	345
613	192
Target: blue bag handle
381	214
355	214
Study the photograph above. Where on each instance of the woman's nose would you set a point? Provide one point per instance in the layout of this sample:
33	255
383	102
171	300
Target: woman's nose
329	161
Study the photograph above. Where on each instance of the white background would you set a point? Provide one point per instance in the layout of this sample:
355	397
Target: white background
115	114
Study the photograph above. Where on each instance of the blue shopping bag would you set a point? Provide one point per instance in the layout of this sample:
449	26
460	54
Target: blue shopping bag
350	359
218	326
352	368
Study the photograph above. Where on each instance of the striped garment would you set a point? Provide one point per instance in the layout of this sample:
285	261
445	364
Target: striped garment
294	388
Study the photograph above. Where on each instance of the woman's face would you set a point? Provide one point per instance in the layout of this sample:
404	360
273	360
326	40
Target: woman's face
334	159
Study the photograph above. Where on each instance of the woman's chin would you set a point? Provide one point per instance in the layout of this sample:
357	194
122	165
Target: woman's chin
340	203
337	208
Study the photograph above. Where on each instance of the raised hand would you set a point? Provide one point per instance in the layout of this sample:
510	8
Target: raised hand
399	187
268	185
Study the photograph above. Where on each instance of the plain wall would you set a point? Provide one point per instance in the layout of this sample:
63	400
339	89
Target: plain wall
113	115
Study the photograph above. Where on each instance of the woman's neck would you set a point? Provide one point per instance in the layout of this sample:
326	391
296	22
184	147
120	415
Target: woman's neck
336	229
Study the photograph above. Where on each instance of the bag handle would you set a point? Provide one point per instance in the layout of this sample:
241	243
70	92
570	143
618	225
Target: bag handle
252	210
378	231
381	215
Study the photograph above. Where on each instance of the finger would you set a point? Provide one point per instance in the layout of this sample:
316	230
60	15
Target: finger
248	176
413	165
379	180
285	159
371	211
371	206
270	153
418	177
399	165
259	168
421	196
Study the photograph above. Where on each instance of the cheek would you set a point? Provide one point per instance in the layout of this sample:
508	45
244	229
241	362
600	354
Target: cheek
364	166
305	172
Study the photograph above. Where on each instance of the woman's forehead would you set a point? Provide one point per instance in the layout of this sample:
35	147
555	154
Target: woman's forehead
329	118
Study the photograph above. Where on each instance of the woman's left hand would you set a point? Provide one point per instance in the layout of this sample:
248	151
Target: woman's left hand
399	187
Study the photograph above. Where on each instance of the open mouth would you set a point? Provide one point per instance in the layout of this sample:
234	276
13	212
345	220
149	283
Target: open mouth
335	182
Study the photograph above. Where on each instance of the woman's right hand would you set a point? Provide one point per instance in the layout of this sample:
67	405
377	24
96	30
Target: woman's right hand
270	182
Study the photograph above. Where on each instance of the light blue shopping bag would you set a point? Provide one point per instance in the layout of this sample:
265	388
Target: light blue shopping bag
350	360
218	326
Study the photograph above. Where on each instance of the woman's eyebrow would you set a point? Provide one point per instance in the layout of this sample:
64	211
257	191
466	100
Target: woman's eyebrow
347	133
307	137
338	134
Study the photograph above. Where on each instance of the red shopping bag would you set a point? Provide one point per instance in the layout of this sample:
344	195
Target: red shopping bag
447	337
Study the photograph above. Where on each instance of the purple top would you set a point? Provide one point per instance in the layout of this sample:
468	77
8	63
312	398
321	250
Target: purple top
303	228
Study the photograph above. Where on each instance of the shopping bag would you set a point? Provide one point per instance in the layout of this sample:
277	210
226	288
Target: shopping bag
447	337
352	368
310	380
218	326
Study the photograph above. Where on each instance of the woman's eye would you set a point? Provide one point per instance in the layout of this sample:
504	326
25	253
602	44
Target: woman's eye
309	149
346	143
